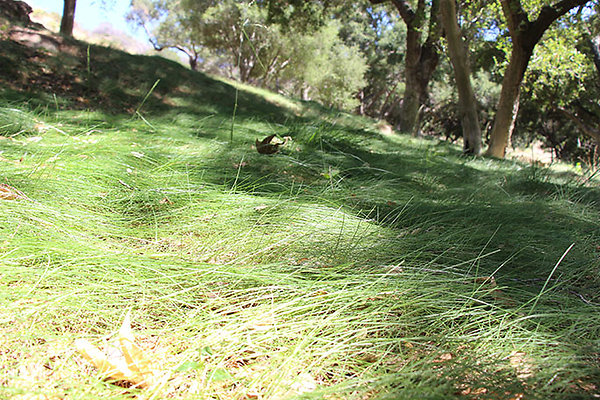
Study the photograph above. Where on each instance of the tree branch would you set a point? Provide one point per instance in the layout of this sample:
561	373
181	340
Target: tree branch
435	27
516	18
407	14
549	14
583	127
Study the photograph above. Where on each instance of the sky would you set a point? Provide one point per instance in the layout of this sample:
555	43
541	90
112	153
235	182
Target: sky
90	13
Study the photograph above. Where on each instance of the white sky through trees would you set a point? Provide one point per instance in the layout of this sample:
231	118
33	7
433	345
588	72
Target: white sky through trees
90	14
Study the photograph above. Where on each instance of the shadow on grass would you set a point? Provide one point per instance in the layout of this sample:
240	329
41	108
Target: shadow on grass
424	188
442	213
116	82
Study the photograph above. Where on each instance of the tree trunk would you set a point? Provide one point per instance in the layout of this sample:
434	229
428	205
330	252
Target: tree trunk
421	60
193	63
68	18
595	46
583	126
525	34
508	104
411	100
460	63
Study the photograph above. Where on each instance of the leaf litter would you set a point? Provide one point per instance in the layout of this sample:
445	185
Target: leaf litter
124	363
10	193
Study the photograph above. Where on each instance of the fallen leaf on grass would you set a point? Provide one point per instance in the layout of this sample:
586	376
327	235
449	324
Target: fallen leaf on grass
10	193
109	367
443	358
137	361
127	363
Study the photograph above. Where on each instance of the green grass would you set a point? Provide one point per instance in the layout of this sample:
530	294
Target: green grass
352	265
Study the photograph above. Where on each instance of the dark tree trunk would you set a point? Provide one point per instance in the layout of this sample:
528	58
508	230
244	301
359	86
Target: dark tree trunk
193	63
412	92
68	18
595	45
421	59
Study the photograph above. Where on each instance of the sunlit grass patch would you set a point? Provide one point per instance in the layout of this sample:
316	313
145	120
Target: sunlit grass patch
349	265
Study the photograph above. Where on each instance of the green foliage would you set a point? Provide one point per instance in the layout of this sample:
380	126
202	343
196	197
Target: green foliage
237	31
301	15
444	119
171	24
331	69
558	69
380	34
239	37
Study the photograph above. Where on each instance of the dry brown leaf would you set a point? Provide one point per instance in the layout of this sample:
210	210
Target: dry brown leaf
109	368
138	362
10	193
128	362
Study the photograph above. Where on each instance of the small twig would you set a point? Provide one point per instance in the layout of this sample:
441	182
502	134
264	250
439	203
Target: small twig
126	185
586	301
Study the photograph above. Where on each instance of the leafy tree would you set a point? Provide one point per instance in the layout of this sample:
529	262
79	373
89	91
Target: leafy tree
171	24
524	34
244	41
421	57
238	31
561	87
379	33
326	67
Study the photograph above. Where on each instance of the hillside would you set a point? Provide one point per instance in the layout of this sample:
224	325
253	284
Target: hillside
354	264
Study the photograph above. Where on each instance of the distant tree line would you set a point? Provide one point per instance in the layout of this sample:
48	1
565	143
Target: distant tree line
490	72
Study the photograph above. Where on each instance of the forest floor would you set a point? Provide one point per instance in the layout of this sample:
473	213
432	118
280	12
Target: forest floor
351	265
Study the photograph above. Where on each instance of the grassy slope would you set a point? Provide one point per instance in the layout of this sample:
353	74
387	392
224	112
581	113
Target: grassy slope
349	266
